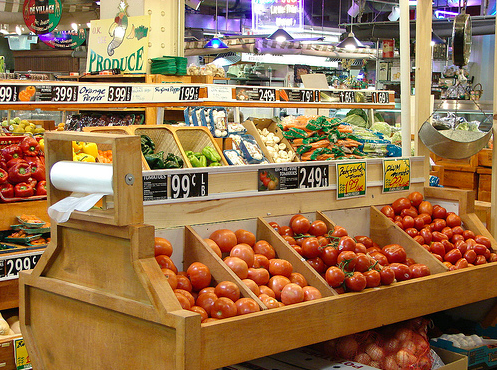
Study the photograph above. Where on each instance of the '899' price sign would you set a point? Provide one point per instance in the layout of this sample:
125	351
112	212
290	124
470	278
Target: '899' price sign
189	185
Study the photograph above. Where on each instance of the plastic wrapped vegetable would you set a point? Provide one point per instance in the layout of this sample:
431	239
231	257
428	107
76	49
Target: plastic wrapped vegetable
382	127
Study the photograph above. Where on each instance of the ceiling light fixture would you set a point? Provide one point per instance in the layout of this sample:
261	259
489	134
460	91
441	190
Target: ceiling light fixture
74	26
215	42
18	30
395	14
280	35
351	42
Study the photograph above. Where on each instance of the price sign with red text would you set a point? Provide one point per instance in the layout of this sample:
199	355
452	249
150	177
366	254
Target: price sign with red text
351	179
396	174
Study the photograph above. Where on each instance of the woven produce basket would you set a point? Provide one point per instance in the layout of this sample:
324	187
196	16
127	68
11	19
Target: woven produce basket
164	140
195	139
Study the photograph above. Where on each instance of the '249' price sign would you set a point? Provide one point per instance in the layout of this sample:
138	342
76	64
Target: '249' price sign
396	174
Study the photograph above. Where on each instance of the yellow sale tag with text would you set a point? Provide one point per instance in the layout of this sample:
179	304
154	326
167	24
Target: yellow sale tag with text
21	355
351	179
396	174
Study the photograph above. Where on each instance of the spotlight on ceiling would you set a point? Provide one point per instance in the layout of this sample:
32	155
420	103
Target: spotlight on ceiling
350	43
215	43
395	14
354	10
280	35
18	30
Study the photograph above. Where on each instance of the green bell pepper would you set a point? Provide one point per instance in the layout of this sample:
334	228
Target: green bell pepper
147	145
211	154
194	161
155	161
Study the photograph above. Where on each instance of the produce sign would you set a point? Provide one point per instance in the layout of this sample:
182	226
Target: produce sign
351	179
11	266
293	177
264	94
42	16
396	174
21	355
154	187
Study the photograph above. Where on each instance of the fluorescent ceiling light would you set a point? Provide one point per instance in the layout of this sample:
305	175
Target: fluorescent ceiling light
441	14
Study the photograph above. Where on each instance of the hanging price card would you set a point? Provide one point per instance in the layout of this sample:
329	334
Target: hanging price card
351	179
119	93
189	93
396	174
21	355
313	176
154	187
64	93
189	185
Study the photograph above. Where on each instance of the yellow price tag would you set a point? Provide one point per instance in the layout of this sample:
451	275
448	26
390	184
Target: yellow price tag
351	179
396	174
21	355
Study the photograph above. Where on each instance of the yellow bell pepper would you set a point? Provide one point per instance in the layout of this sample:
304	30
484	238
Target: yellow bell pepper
41	143
83	157
91	149
77	146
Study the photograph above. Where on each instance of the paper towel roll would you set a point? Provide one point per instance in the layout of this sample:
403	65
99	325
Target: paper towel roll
82	177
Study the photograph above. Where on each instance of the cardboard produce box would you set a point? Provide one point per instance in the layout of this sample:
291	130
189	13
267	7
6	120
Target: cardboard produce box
479	358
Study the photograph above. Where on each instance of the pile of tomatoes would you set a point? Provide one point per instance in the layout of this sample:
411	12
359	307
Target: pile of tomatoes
194	292
272	279
346	263
440	232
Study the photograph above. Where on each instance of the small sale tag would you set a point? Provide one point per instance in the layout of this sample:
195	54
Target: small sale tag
351	179
396	174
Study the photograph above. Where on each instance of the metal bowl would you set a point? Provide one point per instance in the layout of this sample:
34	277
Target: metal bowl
449	144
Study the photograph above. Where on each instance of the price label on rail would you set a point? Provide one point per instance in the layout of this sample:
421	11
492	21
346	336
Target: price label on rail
380	97
313	176
119	93
9	93
10	266
189	185
347	97
351	179
266	94
154	187
64	93
189	93
396	174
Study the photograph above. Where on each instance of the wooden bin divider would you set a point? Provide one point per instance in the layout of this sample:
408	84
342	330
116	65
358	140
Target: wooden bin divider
196	250
384	231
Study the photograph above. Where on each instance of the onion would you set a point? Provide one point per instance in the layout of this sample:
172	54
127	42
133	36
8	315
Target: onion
375	364
375	352
405	359
390	363
363	358
347	347
403	334
391	345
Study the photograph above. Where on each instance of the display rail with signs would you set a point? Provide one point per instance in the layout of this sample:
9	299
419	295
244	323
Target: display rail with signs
117	284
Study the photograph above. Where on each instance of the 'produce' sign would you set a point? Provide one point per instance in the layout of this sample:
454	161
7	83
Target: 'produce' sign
396	174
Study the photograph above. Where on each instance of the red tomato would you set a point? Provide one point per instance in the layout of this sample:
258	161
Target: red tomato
165	262
439	212
380	257
222	308
275	226
462	246
468	234
394	253
211	243
183	283
387	275
244	252
373	278
300	225
401	271
480	260
311	247
187	294
244	236
438	257
318	228
348	259
298	278
264	289
409	212
339	231
360	248
426	217
415	198
456	237
412	232
203	313
171	278
447	231
252	285
323	241
493	257
356	283
162	246
292	293
388	211
318	264
225	239
363	262
311	293
447	245
238	266
366	240
298	249
279	266
439	224
277	283
263	247
425	207
290	240
206	300
246	305
334	276
399	204
419	270
270	302
419	222
286	230
329	255
480	239
399	224
227	289
461	264
480	249
346	243
259	275
457	230
419	239
437	248
261	260
294	217
199	275
437	236
183	301
426	234
453	220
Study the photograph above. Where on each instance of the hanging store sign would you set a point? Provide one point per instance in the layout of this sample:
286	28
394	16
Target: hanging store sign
42	16
273	14
119	43
64	39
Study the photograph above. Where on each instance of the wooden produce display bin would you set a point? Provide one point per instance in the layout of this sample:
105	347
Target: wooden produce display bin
99	284
484	184
485	157
7	359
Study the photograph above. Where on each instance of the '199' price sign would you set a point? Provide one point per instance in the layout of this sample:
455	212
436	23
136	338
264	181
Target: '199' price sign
189	185
351	179
65	93
8	93
189	92
313	176
119	93
396	174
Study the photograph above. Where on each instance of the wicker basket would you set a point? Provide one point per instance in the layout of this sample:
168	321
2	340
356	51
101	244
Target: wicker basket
163	137
195	139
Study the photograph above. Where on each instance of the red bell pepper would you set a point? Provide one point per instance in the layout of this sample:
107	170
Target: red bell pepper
41	188
13	161
20	172
32	182
7	190
11	151
38	171
30	146
4	176
23	190
3	165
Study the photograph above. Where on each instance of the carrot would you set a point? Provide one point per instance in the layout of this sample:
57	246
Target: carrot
344	129
320	144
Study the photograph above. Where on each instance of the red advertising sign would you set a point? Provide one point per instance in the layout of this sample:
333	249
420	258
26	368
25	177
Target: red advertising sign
42	16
